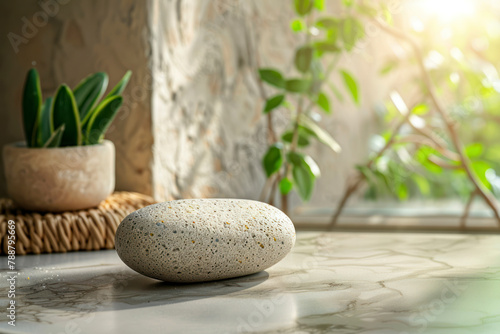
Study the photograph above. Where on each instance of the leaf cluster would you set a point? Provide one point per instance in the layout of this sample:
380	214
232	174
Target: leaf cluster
71	117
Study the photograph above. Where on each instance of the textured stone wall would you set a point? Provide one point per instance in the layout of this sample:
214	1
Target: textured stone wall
209	132
191	125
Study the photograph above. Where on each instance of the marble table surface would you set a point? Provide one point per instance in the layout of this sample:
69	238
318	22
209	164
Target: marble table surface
331	283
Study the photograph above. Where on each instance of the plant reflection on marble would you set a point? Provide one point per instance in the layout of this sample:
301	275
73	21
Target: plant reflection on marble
390	283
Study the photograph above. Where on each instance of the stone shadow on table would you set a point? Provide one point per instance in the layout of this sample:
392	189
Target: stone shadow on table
125	289
139	291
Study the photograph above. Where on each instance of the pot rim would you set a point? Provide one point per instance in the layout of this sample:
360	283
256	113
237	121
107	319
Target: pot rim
21	145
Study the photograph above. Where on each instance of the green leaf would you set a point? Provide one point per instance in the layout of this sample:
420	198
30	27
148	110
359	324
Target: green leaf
323	102
388	67
304	181
319	4
402	191
304	175
297	85
44	130
367	10
101	119
326	46
55	139
297	159
493	152
348	3
302	140
387	14
351	85
297	25
352	31
285	186
327	23
121	85
88	92
273	159
317	77
337	93
422	184
303	58
422	156
64	111
480	168
332	36
312	166
272	77
302	7
375	180
319	133
420	109
273	103
474	150
32	106
383	180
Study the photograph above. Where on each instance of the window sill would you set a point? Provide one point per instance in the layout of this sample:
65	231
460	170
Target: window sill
440	216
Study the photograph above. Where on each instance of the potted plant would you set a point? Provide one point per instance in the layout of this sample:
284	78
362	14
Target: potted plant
65	163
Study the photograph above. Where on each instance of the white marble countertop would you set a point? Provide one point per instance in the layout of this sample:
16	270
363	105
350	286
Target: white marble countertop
330	283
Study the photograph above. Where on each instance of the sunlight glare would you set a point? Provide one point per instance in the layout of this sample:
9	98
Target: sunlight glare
449	9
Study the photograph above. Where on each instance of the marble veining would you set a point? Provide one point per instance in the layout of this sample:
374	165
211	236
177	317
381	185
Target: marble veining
330	283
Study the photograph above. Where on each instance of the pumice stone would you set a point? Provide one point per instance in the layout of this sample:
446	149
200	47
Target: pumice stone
196	240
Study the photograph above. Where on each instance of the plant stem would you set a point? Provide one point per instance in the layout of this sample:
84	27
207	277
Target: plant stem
272	193
295	133
284	203
271	134
293	148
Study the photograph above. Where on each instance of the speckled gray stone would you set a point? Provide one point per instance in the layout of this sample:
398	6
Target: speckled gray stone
197	240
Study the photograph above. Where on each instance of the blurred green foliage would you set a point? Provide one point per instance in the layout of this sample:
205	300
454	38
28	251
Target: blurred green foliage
461	56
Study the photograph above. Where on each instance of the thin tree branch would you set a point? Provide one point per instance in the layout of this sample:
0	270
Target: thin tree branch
271	134
443	163
463	219
440	143
421	140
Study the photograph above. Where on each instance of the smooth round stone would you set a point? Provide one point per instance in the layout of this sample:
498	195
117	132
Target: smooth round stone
197	240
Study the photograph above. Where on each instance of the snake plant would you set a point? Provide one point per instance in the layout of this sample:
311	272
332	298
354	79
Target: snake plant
72	117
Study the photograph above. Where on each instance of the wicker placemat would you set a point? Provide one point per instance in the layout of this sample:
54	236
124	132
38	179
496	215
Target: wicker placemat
90	229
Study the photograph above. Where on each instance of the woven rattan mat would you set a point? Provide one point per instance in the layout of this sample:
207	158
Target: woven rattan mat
89	229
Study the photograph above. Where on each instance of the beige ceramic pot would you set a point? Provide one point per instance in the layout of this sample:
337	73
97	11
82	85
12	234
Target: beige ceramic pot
59	179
